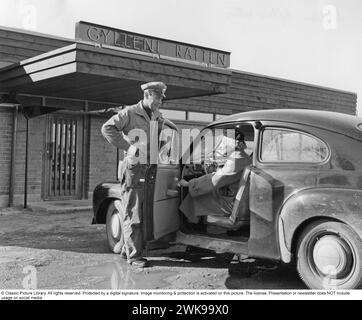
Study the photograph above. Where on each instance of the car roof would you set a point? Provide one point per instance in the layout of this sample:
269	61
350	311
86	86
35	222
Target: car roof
333	121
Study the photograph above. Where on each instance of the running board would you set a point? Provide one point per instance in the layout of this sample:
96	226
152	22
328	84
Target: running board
218	245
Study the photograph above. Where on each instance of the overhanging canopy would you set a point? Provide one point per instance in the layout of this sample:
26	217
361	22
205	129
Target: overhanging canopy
85	72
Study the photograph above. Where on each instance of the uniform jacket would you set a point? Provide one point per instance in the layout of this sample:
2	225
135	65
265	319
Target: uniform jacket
132	126
118	128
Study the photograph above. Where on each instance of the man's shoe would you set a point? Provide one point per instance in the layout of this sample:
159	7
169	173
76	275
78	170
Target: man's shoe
138	263
118	247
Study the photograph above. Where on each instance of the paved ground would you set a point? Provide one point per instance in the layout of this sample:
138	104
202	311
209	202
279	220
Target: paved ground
68	252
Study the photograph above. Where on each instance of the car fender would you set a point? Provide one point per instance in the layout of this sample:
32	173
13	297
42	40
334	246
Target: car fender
306	206
102	194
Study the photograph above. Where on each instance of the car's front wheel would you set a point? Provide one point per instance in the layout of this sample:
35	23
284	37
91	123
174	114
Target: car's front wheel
114	226
329	256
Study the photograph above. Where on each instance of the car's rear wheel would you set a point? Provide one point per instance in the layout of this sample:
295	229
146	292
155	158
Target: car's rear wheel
329	256
114	226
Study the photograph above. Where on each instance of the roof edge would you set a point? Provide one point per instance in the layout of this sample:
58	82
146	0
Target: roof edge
293	81
35	33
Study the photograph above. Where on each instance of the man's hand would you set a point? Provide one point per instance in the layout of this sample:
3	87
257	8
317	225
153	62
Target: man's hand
183	183
132	155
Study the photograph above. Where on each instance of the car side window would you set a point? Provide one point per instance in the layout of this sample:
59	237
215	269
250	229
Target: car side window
169	147
282	145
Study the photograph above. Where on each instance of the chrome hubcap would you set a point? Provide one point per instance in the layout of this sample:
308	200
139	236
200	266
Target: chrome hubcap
115	225
332	256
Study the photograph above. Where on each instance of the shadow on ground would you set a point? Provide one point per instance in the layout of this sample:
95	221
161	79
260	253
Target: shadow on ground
261	274
84	259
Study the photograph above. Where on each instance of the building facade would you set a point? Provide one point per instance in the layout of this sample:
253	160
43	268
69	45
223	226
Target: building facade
55	92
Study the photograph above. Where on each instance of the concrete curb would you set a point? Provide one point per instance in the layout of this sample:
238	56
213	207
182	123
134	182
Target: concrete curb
12	210
57	210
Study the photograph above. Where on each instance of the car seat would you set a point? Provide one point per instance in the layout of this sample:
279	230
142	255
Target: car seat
240	214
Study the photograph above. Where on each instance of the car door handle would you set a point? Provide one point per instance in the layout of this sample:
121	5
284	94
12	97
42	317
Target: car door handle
172	193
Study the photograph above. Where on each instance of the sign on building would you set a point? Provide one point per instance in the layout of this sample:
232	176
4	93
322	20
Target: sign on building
90	32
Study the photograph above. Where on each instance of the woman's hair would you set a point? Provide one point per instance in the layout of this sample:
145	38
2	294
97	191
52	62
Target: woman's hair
239	136
240	141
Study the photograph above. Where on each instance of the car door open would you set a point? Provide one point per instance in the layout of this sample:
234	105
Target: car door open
166	192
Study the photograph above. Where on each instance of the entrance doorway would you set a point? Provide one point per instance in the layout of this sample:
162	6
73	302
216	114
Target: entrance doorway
63	157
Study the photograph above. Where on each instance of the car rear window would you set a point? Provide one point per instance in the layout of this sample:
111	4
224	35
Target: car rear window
282	145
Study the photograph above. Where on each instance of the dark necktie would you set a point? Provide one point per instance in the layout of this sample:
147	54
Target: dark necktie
148	111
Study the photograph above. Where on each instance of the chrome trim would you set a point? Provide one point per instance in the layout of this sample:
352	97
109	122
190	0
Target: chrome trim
286	255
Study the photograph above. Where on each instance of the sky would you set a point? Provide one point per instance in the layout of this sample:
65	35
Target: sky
312	41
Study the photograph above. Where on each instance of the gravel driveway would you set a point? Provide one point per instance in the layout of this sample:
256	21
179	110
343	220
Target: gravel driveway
65	251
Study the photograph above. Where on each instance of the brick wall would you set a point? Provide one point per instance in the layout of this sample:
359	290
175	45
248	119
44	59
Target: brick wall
102	156
35	163
20	157
36	131
36	146
6	123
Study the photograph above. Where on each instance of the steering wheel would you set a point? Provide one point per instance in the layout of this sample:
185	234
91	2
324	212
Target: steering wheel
210	166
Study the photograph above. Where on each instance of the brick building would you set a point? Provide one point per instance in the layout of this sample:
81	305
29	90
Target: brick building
61	84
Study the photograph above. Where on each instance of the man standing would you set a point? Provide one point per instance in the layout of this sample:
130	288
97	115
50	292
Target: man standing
132	130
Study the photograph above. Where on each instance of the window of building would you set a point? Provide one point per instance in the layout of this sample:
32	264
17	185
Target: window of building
280	145
201	117
173	114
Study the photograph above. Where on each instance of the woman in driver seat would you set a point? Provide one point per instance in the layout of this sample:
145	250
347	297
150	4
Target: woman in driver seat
214	193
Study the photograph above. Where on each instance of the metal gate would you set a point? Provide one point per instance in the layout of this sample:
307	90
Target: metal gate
63	158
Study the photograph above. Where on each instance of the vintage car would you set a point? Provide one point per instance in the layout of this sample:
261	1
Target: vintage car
302	194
